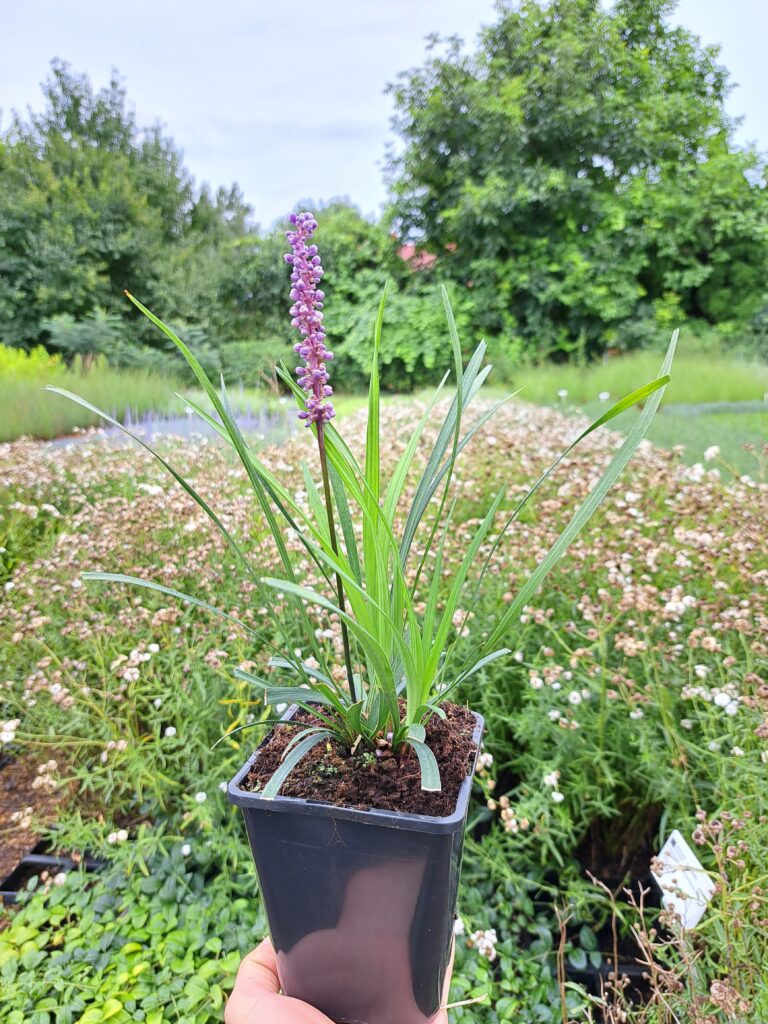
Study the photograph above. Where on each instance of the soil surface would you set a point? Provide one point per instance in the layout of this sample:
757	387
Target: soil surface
328	773
619	850
17	839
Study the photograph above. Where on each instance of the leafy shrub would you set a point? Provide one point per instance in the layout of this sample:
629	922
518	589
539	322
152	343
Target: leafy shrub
251	363
100	333
18	365
415	344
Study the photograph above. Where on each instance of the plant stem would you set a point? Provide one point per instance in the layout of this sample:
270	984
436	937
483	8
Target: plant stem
335	549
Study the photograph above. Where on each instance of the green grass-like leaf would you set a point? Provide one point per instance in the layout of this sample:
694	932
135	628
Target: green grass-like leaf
593	500
300	745
368	583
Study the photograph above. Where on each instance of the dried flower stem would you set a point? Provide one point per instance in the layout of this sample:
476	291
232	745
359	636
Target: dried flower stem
563	917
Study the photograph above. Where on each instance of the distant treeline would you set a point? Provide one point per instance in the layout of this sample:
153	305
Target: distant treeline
574	181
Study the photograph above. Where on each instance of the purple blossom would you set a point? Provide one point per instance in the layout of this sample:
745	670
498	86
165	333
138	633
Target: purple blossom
307	315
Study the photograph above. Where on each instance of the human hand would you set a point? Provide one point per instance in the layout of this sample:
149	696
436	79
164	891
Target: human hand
256	998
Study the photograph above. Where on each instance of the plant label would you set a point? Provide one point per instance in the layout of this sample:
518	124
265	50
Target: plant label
685	886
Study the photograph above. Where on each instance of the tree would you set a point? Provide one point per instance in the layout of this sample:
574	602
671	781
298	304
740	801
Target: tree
92	204
359	257
578	168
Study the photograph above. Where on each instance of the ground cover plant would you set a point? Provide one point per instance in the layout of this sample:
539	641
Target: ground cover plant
650	703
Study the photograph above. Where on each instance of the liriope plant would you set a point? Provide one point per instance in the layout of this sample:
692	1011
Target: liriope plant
399	652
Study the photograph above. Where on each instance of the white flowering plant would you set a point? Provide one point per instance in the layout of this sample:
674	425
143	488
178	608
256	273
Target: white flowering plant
397	617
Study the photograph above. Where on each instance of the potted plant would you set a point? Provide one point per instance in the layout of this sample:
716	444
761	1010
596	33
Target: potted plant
355	803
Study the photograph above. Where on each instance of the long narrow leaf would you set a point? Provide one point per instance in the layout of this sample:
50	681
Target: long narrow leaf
272	788
397	482
621	406
477	425
308	699
315	503
228	418
166	465
452	602
372	454
345	519
283	694
374	558
368	641
252	725
221	405
468	673
369	614
430	772
194	364
471	381
279	662
591	503
283	500
270	480
135	581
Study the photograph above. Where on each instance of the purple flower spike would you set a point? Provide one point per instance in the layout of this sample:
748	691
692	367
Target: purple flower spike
307	316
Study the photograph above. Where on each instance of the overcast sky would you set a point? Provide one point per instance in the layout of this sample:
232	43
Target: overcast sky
287	98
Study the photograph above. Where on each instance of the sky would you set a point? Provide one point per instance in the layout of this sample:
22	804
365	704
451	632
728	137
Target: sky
287	98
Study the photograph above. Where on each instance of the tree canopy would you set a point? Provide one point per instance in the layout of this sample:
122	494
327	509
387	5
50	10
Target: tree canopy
578	172
574	181
92	204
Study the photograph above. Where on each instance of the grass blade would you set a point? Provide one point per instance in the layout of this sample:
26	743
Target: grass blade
292	758
135	581
345	519
283	694
166	465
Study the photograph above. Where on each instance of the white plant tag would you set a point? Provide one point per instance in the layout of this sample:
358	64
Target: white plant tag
685	886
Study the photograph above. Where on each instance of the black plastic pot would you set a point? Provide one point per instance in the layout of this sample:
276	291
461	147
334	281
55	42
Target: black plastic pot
360	904
35	863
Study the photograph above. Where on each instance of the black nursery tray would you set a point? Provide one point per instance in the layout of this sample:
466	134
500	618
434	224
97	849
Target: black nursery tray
38	861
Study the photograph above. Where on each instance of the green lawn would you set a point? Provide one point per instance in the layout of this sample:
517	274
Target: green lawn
697	377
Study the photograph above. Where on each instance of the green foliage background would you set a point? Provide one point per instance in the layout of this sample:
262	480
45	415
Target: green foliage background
580	170
575	178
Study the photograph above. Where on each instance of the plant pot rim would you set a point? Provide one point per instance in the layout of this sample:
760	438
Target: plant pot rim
388	819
